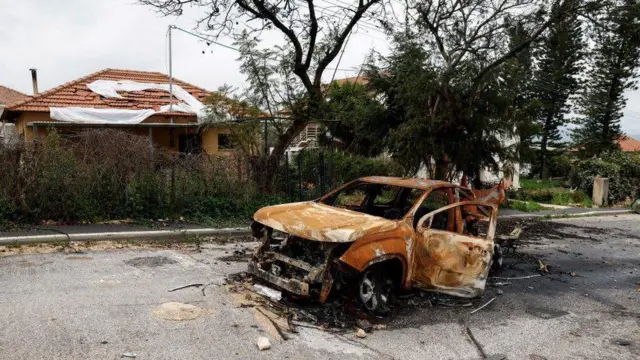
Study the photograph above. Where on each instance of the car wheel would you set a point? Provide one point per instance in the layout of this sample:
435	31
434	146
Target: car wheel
496	263
375	290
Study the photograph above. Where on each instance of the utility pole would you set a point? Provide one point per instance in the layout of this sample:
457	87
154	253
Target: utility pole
170	74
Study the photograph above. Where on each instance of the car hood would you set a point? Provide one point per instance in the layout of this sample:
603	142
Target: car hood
320	222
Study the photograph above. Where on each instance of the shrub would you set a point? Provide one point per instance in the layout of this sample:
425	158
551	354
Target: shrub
622	170
109	174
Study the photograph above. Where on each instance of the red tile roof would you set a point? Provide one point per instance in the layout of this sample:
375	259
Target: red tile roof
629	144
10	96
362	80
77	94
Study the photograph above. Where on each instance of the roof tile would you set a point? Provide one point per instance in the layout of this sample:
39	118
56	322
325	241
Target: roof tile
77	94
9	96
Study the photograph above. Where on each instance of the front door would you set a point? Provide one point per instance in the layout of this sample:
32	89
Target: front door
455	258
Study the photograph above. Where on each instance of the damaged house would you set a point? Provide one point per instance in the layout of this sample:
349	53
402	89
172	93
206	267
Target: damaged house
168	111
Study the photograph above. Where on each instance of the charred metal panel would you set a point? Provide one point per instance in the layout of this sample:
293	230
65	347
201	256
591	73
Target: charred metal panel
316	221
452	263
291	285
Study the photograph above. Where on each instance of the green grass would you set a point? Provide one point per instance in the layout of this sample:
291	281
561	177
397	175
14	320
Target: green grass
525	206
565	197
526	183
550	192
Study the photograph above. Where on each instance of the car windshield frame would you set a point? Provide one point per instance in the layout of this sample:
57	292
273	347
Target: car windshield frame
402	194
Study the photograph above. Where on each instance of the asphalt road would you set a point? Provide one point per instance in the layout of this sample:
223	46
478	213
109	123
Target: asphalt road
101	304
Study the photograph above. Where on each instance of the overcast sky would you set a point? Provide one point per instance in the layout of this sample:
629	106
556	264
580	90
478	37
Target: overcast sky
68	39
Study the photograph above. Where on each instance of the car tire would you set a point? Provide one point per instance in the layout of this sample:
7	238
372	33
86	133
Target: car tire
374	292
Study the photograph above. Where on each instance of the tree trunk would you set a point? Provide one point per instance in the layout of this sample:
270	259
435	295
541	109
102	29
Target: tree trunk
544	172
442	167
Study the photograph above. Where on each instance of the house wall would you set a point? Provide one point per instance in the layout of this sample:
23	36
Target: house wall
161	136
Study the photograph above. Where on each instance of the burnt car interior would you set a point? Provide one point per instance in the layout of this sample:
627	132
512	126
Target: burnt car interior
387	201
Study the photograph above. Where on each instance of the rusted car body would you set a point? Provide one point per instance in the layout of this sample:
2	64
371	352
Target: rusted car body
429	234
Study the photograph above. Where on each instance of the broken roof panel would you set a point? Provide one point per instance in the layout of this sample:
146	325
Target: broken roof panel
77	94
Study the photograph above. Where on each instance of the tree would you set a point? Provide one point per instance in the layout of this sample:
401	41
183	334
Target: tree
559	63
314	37
357	119
616	36
444	82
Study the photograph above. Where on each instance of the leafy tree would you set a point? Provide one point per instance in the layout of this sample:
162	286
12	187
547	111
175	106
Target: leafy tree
559	57
616	36
357	119
287	77
444	82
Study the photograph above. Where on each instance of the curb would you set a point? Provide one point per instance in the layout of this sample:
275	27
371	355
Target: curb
565	215
123	235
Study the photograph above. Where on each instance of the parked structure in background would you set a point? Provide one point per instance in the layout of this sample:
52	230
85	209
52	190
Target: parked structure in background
135	101
8	97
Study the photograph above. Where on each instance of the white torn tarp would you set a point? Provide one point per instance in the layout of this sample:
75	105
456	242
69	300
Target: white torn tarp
99	116
110	88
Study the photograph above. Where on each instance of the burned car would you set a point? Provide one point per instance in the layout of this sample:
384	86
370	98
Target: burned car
376	235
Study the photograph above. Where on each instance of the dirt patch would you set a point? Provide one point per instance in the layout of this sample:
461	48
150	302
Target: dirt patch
150	261
177	311
75	247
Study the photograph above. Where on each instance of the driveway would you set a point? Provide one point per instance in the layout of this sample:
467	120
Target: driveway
102	303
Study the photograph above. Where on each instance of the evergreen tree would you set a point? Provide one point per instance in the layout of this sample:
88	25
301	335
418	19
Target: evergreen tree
616	33
559	62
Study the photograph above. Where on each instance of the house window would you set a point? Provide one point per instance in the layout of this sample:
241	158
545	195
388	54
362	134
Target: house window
224	142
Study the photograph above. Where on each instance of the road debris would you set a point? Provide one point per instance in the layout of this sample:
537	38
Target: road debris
177	311
272	294
129	354
263	343
361	333
499	292
364	324
573	274
496	284
482	307
623	342
542	267
185	286
515	278
379	326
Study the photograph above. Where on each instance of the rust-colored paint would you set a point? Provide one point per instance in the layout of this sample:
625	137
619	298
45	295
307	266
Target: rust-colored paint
445	261
320	222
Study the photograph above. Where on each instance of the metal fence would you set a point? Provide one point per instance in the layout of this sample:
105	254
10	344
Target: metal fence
307	175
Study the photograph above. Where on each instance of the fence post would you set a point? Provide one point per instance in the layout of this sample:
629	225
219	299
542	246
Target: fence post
151	146
321	172
286	176
172	195
300	174
331	166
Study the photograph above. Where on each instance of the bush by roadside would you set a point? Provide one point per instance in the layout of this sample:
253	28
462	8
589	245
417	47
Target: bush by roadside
106	174
622	169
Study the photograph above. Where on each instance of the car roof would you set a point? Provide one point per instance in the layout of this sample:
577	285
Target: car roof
422	184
